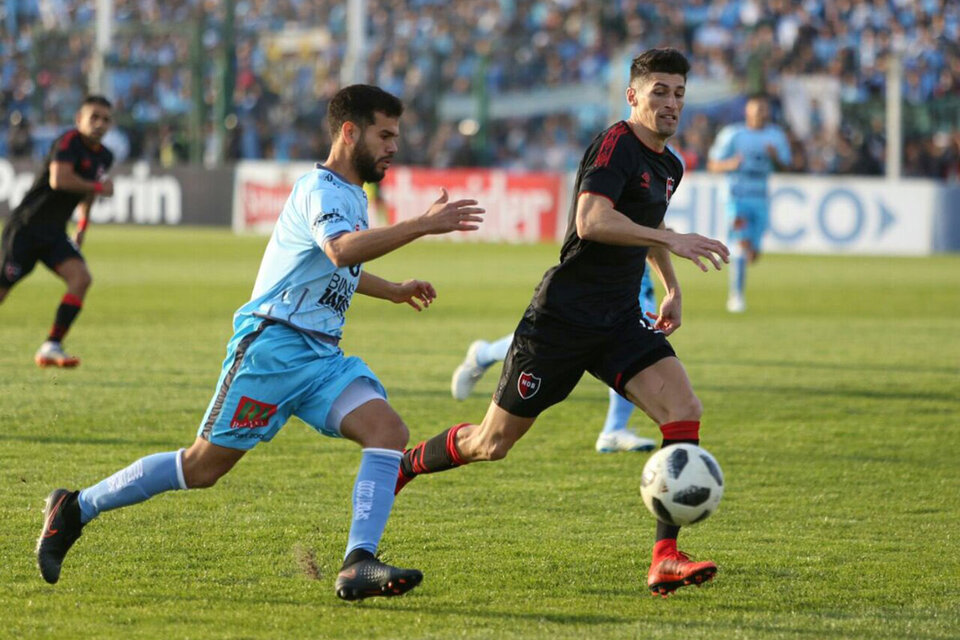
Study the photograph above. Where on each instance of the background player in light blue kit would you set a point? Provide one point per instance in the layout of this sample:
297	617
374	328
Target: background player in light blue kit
284	357
615	436
748	153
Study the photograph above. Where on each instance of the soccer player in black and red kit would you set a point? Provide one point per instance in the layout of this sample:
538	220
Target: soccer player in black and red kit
584	315
73	175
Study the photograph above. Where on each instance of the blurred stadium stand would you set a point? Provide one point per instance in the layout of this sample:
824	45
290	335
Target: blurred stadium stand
504	83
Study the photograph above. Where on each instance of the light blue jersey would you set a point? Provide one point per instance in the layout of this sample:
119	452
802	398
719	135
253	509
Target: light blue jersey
749	181
283	358
298	285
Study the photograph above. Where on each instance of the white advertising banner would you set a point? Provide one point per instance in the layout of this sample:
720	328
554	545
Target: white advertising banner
260	189
823	215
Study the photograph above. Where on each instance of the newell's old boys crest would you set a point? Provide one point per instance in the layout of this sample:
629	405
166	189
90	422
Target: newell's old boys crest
669	189
528	385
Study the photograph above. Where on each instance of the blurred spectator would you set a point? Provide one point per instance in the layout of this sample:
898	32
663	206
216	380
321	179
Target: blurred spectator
823	58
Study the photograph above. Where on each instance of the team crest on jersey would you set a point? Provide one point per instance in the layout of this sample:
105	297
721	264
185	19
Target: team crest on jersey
12	271
251	414
669	189
645	180
528	385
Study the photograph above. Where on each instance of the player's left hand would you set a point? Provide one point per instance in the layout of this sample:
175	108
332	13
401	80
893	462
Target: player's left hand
416	293
669	319
78	239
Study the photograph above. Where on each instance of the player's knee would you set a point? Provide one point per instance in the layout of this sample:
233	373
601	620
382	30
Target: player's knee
389	433
496	449
688	408
83	281
201	478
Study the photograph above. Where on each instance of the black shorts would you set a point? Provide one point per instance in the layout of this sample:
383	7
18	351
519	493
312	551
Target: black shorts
21	247
548	357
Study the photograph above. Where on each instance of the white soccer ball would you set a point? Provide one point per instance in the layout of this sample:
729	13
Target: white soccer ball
681	484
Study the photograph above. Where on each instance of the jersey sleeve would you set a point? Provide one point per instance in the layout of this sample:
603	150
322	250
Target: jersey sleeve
614	164
723	147
67	148
328	215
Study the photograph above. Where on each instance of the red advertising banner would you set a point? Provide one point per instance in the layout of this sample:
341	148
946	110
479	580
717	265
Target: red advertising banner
521	207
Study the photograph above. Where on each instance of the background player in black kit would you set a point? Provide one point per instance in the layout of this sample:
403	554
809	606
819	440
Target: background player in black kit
73	174
584	315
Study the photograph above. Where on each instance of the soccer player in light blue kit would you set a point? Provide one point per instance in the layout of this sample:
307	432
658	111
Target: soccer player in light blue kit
284	357
748	153
615	436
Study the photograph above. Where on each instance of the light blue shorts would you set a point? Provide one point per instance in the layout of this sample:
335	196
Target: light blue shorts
748	220
272	372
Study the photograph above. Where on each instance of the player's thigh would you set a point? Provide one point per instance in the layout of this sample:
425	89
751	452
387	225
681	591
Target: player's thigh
62	256
628	349
268	370
359	413
18	256
543	365
664	392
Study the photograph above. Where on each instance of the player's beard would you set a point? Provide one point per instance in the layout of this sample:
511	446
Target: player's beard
365	164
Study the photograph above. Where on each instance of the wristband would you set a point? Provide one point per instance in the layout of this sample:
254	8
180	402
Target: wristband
82	224
97	187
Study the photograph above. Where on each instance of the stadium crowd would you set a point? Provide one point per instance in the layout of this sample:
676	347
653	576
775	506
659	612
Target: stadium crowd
823	61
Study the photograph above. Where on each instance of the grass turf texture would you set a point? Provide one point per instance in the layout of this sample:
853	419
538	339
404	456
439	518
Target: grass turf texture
831	404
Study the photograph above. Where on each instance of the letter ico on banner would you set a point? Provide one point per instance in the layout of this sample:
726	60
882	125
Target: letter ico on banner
822	214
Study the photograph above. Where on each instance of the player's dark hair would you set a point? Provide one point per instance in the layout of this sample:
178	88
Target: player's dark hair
659	61
98	100
357	104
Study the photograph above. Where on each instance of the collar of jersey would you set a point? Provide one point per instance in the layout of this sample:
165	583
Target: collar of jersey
323	167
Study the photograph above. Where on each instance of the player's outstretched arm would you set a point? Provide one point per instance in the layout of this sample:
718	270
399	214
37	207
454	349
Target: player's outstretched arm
64	178
669	318
416	293
598	221
443	216
83	218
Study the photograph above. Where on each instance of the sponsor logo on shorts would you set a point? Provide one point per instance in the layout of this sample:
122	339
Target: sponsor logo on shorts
528	385
252	414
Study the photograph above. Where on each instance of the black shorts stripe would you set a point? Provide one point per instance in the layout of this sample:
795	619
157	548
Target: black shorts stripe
228	380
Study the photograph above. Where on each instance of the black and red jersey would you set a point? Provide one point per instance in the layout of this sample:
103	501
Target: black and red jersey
598	284
44	206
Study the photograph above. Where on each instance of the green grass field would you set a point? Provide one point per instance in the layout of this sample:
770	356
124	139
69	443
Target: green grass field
832	404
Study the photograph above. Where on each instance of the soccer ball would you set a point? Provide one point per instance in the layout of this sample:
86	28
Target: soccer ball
681	484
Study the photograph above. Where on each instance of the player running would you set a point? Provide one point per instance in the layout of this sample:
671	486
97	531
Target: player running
284	357
615	435
748	153
73	174
584	314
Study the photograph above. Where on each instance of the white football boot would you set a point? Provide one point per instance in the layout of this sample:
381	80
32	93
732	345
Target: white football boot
51	354
468	374
623	440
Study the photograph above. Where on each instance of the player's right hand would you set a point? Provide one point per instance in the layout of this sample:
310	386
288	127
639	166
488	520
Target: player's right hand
445	216
693	247
107	189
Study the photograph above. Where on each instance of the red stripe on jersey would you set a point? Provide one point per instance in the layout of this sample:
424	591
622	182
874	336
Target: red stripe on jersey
602	195
610	143
67	137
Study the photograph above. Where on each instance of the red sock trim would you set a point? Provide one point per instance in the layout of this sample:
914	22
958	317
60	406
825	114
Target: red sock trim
662	548
681	430
452	443
72	300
